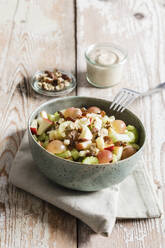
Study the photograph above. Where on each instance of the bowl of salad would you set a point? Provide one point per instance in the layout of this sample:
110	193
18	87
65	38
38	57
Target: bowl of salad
79	143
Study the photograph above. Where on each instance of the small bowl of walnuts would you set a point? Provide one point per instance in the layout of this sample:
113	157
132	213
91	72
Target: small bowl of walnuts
53	82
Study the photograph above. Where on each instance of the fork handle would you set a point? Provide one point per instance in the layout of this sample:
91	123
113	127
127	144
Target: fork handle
153	90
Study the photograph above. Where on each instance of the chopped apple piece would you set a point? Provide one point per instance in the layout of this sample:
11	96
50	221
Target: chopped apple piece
100	143
83	145
126	137
43	114
104	132
54	134
64	125
44	125
33	127
118	150
85	134
109	148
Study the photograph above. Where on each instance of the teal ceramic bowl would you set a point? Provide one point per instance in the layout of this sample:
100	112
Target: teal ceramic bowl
75	175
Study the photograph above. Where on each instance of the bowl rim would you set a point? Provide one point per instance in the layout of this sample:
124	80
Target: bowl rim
79	163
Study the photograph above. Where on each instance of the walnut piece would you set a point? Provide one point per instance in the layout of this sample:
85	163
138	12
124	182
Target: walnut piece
53	80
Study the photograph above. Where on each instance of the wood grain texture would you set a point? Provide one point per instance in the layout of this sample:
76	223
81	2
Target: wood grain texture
137	26
33	36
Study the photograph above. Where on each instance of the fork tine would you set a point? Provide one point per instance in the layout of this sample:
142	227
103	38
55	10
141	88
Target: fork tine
126	99
123	100
128	102
116	100
120	100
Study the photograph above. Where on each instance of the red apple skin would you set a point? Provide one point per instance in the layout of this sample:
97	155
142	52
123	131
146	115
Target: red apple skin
33	130
51	122
109	148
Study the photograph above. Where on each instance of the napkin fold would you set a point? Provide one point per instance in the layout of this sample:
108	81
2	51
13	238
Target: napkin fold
135	197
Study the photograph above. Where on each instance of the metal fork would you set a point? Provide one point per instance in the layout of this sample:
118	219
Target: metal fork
127	96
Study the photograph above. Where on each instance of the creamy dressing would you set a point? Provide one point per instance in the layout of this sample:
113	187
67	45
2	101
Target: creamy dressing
104	65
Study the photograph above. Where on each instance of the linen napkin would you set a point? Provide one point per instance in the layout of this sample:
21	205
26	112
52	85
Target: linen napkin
135	197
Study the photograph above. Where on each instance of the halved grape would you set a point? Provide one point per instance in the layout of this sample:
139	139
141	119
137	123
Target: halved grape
73	113
119	126
55	147
128	151
105	156
94	110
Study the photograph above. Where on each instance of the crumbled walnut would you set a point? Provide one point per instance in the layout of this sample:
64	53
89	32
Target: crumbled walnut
103	113
61	114
73	135
84	111
108	140
53	81
108	124
94	150
65	77
120	143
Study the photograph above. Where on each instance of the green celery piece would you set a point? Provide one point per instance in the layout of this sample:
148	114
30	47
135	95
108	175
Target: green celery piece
137	147
66	154
114	159
133	129
126	137
131	136
90	160
75	154
47	138
118	150
42	137
45	143
56	116
51	117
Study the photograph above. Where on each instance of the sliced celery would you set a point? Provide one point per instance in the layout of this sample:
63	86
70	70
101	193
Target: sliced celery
127	137
118	150
75	154
46	137
51	117
90	160
133	129
66	154
137	147
42	137
114	159
45	143
56	116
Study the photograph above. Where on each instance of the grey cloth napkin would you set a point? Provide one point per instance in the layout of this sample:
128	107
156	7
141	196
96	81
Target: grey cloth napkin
135	197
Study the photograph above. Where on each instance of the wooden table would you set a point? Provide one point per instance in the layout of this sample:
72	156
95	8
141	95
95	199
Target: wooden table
38	34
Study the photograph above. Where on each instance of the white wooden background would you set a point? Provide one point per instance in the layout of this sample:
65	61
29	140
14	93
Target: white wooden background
36	34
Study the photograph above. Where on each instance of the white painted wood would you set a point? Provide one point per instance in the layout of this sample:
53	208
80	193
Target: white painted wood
138	26
33	35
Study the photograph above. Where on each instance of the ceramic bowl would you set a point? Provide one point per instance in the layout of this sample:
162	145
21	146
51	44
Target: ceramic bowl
75	175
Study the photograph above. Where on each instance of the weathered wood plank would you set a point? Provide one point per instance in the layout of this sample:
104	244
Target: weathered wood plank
139	27
33	35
